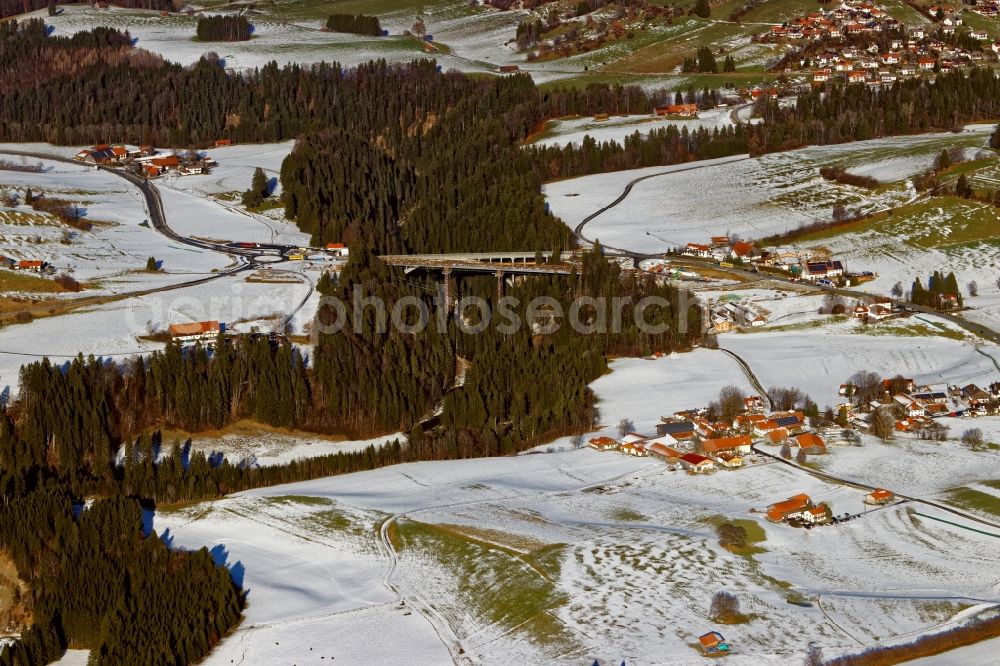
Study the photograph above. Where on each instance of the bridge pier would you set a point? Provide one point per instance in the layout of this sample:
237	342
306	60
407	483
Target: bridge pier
448	292
500	280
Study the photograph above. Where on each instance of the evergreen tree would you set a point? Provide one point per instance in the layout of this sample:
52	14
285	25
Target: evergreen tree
702	9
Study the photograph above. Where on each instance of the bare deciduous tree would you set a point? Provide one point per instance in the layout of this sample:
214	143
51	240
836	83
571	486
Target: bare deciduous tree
973	438
730	403
725	607
883	424
625	426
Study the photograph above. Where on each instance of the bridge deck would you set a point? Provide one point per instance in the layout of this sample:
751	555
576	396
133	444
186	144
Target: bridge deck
471	263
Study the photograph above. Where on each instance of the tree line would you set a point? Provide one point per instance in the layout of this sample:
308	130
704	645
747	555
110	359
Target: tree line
223	28
940	289
358	24
10	8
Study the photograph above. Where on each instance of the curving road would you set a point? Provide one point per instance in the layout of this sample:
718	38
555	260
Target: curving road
863	486
980	330
751	376
245	257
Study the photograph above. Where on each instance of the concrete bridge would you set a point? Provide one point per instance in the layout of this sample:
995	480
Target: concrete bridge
501	264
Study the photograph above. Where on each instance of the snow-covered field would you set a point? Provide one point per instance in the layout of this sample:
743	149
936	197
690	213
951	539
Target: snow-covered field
617	555
114	252
173	38
474	39
819	360
564	132
749	197
114	329
644	390
575	556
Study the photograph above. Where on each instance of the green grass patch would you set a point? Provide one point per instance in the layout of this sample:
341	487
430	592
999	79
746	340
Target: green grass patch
501	587
26	282
906	329
931	223
756	535
976	500
305	500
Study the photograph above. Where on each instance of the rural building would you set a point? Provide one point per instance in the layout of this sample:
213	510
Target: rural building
676	429
637	449
810	442
737	444
696	463
713	643
31	265
194	331
879	496
337	249
781	511
683	110
603	443
665	453
823	270
729	460
776	436
697	250
222	143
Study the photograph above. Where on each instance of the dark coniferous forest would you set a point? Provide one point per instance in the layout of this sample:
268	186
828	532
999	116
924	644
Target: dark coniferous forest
389	158
223	28
359	24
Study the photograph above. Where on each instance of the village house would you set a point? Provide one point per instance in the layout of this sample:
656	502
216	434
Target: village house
729	460
736	444
819	270
665	453
713	643
879	496
697	464
636	449
811	443
31	265
743	251
682	110
603	444
798	508
195	331
909	406
696	250
337	249
776	436
680	429
794	505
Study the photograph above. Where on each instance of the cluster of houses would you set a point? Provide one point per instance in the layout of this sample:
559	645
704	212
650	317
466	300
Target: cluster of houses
800	510
148	161
823	34
988	8
689	440
916	407
799	263
730	312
